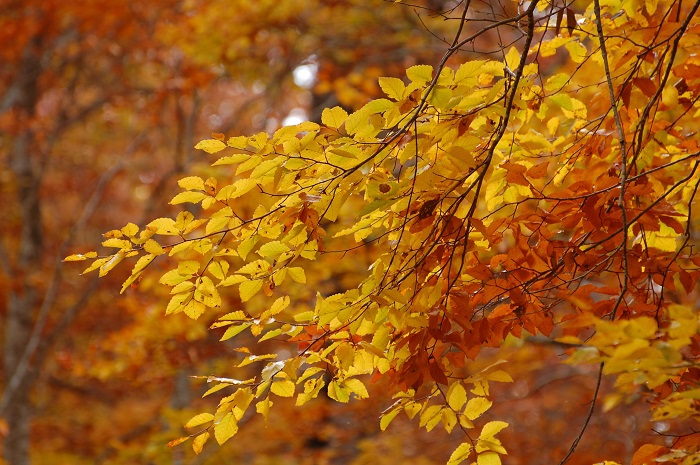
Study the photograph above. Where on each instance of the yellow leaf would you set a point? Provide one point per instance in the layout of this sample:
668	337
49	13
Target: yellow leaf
420	74
117	243
199	419
153	247
216	388
210	145
113	261
577	51
283	388
513	59
393	87
194	309
476	407
411	409
233	279
334	117
557	82
191	183
254	268
277	306
234	330
238	142
249	288
481	387
386	418
140	265
246	246
189	196
263	408
231	159
238	315
460	454
297	274
217	224
488	458
337	392
430	415
395	295
164	226
357	387
178	302
456	396
173	278
500	376
449	419
177	441
187	267
273	248
113	233
225	429
266	168
198	443
491	429
206	292
130	230
249	164
80	257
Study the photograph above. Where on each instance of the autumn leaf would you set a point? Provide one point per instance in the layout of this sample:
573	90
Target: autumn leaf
210	145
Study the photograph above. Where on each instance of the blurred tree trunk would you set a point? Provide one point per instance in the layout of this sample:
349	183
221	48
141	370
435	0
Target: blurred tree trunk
22	298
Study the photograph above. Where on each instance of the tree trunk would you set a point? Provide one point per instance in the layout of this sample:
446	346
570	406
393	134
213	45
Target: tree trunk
22	299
